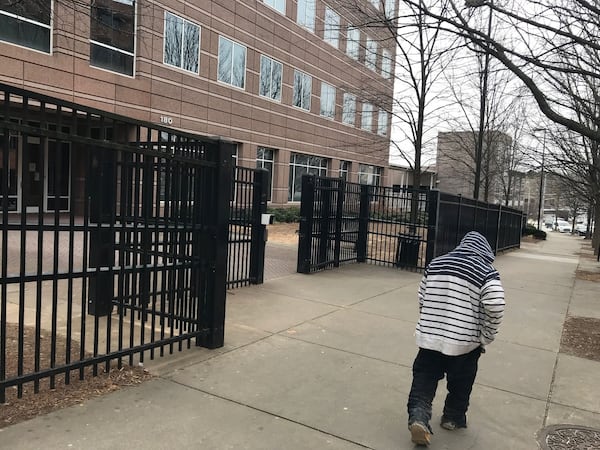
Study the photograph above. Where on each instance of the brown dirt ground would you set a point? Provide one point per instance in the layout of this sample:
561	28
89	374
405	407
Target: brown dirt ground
283	233
586	275
32	404
581	337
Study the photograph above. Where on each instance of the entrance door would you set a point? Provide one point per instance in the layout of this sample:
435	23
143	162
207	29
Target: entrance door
33	174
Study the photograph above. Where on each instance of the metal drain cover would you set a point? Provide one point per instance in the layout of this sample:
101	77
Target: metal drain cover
569	437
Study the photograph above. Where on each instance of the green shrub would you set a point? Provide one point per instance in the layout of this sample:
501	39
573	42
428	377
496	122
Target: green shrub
539	234
285	214
529	230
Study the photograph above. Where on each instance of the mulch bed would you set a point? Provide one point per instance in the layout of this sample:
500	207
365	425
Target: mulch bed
587	275
581	337
32	404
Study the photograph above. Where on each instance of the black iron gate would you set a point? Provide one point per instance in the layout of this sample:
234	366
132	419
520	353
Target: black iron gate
347	222
247	232
132	259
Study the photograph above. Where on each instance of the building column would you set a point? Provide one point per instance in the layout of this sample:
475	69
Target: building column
281	177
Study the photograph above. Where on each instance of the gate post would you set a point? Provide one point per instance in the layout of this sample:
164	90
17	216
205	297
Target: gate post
306	223
259	230
212	298
433	210
102	239
363	223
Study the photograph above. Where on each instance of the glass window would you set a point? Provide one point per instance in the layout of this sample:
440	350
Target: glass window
349	109
386	64
371	54
375	3
306	14
302	90
279	5
382	123
332	27
181	43
353	42
327	101
271	73
370	175
232	63
300	165
367	117
112	35
344	170
265	158
389	8
26	23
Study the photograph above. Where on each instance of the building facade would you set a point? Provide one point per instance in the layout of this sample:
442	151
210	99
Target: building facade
300	86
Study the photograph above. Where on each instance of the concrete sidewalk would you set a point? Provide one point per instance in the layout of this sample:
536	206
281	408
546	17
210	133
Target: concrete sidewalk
324	361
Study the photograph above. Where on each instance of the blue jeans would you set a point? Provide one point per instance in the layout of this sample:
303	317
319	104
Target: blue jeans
428	369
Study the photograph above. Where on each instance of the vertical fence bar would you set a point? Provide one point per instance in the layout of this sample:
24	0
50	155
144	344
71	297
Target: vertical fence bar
363	223
307	208
324	221
259	231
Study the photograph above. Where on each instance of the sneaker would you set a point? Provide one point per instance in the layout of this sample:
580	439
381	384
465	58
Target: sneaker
420	433
449	424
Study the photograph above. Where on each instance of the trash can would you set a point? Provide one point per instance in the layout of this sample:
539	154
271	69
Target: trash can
407	253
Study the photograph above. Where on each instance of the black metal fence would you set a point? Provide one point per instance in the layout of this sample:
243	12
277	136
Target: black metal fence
120	247
347	222
502	226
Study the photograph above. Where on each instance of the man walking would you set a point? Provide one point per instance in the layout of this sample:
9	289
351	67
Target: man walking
461	305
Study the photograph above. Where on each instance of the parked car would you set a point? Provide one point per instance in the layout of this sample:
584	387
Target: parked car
581	229
563	226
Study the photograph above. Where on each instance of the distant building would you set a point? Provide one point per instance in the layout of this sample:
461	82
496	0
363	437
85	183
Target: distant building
455	167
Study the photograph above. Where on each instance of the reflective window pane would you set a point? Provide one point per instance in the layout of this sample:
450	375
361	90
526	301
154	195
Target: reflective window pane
191	47
172	39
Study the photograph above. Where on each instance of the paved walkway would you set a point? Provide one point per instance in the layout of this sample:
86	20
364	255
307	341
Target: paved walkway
324	361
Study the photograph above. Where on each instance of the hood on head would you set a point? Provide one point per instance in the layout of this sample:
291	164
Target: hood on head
475	242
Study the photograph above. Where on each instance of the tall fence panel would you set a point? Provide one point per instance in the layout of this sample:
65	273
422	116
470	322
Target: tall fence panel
457	216
321	220
115	245
348	222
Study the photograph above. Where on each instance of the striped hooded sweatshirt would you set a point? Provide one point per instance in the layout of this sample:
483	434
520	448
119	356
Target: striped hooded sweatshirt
461	299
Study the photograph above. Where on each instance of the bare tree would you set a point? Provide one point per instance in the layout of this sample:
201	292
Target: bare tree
552	47
423	52
504	121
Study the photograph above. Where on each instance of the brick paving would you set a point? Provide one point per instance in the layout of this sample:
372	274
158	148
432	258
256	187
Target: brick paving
280	260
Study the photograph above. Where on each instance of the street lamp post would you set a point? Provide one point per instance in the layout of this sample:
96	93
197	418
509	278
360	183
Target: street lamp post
484	89
541	198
